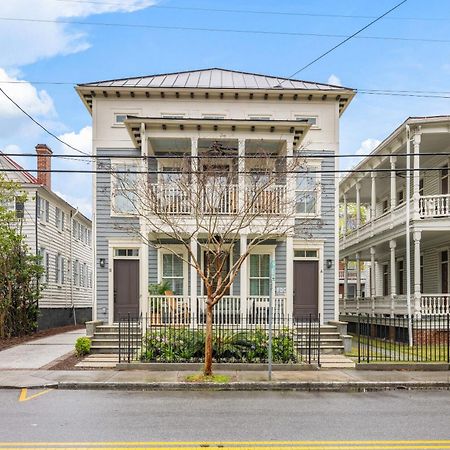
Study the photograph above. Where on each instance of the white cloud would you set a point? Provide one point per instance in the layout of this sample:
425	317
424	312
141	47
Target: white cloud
84	204
29	42
81	140
367	146
334	79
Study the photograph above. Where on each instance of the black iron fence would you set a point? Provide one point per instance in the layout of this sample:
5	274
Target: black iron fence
400	339
293	341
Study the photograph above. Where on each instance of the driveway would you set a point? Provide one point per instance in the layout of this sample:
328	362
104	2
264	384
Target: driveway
40	352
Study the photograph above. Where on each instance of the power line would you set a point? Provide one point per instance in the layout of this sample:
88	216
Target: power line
269	156
360	91
262	12
347	39
223	30
42	126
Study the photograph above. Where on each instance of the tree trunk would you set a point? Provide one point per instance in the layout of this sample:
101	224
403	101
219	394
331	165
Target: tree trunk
207	370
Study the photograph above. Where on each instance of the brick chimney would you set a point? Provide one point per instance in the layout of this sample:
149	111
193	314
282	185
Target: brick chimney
44	162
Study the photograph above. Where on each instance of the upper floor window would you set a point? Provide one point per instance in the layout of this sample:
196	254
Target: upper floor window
444	180
213	116
172	116
124	187
306	193
119	118
59	219
260	117
310	120
59	269
421	181
400	197
43	209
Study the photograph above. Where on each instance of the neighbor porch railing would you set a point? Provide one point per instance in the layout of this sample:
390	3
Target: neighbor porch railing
434	206
430	305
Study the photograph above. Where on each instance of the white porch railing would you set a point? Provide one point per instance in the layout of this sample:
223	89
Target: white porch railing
221	200
434	206
430	305
168	309
435	304
176	310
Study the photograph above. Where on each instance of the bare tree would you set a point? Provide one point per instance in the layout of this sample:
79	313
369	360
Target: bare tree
202	200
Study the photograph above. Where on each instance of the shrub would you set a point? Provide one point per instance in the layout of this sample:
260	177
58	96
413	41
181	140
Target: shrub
172	344
83	346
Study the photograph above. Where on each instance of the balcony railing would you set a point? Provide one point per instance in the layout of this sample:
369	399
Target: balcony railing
434	206
179	310
222	200
430	305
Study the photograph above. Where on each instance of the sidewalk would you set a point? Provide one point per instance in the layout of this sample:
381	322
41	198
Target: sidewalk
40	352
327	380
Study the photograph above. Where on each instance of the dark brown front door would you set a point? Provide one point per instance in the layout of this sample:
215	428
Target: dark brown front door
306	289
126	288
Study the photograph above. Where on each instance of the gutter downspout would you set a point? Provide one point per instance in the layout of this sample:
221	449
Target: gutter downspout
72	217
407	235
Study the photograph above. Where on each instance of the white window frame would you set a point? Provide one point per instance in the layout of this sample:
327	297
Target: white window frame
177	250
261	116
214	116
260	250
133	163
44	210
302	116
318	191
123	112
168	115
45	263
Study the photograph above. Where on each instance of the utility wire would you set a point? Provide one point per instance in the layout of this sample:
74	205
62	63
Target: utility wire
42	126
346	39
225	30
254	11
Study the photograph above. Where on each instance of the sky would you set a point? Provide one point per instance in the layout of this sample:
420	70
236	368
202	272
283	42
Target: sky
70	53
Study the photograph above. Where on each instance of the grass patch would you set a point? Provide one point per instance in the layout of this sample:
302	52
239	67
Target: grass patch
199	377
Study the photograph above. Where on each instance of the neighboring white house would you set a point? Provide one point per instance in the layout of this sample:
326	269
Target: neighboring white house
171	115
62	236
382	240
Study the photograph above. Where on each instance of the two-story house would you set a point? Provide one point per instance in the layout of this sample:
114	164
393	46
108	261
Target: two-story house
62	236
159	118
402	225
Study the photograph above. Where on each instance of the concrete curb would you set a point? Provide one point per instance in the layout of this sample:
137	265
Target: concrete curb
245	386
411	367
181	367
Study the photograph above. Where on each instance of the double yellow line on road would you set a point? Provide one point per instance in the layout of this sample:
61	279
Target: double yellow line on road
230	445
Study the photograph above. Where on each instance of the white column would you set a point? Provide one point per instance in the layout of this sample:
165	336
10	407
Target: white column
373	291
392	246
373	198
241	173
358	280
345	283
290	177
243	277
417	235
193	273
393	160
344	227
416	176
358	205
289	275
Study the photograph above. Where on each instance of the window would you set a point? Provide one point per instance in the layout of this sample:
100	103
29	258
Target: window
89	237
307	119
43	209
85	275
45	262
119	118
74	228
59	269
421	274
260	117
306	193
444	180
444	272
20	208
172	272
259	275
172	116
59	219
385	279
385	205
124	252
400	197
76	272
81	275
421	187
124	187
400	277
305	253
213	116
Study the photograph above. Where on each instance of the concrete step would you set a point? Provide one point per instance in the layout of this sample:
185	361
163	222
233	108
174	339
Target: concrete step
95	349
110	335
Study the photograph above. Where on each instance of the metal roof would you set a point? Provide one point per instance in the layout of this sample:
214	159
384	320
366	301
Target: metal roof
214	78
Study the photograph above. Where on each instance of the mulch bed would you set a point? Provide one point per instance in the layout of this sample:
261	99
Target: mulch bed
11	342
67	363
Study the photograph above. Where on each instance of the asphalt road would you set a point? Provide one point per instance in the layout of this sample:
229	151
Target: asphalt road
82	416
